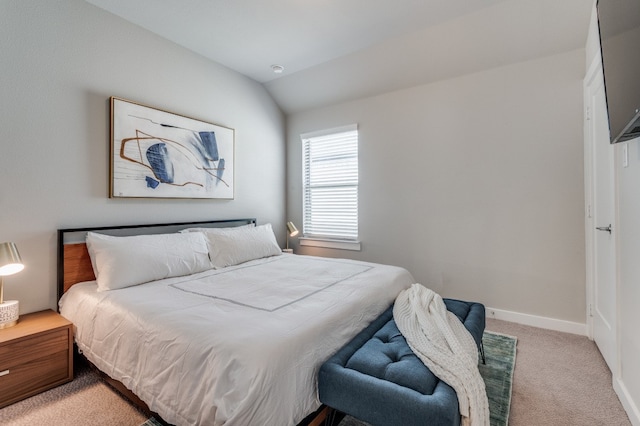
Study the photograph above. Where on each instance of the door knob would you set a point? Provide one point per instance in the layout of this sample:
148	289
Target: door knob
604	228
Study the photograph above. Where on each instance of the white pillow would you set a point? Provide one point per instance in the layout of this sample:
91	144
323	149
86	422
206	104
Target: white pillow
221	229
232	246
125	261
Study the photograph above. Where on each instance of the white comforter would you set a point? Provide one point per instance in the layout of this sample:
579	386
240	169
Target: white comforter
236	346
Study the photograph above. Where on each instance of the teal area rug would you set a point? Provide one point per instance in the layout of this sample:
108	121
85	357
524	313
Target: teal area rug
152	422
500	354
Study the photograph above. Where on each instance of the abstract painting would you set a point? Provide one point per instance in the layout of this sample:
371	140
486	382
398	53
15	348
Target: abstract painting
158	154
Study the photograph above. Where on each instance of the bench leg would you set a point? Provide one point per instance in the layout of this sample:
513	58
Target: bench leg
484	361
331	417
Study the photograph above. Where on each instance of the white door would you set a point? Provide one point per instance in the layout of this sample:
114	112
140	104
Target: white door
603	273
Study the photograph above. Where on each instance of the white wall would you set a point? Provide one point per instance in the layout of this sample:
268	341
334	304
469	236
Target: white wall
474	184
60	61
628	385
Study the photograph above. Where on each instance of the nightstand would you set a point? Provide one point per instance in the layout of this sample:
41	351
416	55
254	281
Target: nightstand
35	355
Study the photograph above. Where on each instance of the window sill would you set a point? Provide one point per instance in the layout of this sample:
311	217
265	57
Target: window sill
332	244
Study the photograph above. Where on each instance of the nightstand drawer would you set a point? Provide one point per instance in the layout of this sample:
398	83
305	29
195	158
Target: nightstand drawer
29	378
26	350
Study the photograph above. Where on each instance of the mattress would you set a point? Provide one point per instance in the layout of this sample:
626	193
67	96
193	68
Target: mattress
240	345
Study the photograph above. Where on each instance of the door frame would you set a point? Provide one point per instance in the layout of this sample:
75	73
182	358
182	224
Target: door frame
588	196
595	71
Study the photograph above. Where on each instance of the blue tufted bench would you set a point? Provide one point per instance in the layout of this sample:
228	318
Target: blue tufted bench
378	379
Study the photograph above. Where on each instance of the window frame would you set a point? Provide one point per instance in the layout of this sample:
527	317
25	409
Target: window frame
345	242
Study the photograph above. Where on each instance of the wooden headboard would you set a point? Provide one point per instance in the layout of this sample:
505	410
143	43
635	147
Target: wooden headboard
74	263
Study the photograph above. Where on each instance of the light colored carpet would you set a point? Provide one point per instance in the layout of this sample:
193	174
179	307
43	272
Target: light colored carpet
85	400
560	379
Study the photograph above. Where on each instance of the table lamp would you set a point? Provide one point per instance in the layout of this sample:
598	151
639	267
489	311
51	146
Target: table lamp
10	263
292	231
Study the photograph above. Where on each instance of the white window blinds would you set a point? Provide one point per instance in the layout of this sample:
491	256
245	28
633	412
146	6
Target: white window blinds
330	187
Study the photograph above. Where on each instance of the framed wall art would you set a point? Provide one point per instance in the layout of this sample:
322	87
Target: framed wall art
158	154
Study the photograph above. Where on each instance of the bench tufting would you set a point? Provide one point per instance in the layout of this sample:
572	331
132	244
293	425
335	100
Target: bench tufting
378	379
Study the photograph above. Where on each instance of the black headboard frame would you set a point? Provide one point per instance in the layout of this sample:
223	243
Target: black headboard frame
78	235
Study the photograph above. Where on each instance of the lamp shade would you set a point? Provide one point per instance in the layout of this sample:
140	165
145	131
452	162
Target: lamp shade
293	231
10	261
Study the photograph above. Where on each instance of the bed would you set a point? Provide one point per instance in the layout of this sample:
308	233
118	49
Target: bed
237	344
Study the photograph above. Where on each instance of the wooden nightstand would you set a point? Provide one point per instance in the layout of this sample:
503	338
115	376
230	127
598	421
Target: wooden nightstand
35	355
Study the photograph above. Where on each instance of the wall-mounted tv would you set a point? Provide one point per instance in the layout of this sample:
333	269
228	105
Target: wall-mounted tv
619	22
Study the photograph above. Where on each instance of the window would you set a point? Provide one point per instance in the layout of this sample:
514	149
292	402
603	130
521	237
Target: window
330	188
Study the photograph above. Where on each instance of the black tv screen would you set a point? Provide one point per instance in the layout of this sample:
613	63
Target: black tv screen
619	23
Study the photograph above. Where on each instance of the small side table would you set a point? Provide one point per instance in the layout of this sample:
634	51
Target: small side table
35	355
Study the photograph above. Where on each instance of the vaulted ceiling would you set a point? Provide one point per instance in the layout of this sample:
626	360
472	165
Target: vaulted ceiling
338	50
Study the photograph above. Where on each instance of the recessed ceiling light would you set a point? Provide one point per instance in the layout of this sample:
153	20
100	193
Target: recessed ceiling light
277	69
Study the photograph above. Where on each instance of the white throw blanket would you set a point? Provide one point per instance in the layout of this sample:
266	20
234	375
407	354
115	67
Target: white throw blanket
444	345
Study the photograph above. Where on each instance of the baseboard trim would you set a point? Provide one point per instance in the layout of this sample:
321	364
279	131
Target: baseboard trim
633	412
537	321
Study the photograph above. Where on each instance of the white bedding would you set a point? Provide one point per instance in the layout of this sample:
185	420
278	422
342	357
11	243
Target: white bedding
236	346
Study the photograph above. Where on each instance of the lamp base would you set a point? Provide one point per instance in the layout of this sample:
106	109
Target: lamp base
8	313
287	250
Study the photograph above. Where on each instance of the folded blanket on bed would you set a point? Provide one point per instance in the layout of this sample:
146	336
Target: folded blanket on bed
440	340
